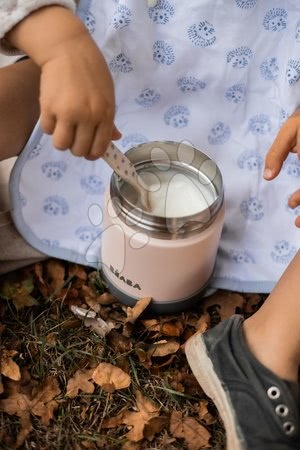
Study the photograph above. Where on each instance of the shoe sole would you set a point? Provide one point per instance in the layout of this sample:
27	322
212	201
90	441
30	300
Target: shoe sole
198	359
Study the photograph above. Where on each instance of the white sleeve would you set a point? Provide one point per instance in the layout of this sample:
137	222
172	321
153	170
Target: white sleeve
13	11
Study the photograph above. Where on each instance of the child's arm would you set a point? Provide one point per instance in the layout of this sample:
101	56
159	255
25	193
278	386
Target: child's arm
76	89
287	140
13	11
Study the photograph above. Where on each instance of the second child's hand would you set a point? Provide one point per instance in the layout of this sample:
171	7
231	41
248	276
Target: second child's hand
287	140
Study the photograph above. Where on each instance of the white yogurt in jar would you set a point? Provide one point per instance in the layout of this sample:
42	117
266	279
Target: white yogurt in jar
176	194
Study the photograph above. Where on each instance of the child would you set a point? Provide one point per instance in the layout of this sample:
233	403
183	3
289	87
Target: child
179	74
220	77
250	370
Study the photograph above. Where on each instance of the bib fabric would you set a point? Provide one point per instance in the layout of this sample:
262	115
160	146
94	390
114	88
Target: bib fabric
223	75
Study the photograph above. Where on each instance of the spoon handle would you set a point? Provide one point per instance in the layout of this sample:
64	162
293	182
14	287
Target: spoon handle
120	164
126	170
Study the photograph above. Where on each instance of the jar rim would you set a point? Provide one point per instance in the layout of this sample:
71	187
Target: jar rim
141	157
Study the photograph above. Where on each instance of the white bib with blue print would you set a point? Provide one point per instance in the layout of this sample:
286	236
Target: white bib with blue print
223	75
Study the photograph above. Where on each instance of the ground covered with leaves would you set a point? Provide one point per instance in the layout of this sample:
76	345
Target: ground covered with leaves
81	371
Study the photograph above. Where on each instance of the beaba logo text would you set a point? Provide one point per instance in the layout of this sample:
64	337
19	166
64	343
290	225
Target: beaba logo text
124	279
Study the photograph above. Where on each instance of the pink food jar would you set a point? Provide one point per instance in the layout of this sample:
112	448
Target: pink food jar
169	252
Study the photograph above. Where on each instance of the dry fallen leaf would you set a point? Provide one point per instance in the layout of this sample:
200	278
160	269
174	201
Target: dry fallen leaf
228	303
26	428
110	377
8	367
136	311
25	400
155	426
195	434
70	297
49	276
94	300
55	275
39	279
151	324
141	350
183	381
173	328
77	271
19	292
163	348
204	414
203	323
159	349
147	410
16	404
80	381
16	441
118	342
43	403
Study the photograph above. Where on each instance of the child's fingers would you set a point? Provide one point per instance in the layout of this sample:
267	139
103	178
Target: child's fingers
293	202
116	134
296	148
48	122
283	144
84	136
84	140
294	199
63	135
297	222
101	141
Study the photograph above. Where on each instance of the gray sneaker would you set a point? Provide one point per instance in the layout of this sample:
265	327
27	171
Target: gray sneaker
260	411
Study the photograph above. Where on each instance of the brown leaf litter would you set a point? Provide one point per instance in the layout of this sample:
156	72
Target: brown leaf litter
81	371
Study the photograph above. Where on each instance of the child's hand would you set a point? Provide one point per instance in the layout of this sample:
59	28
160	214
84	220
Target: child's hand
294	201
77	100
287	140
76	89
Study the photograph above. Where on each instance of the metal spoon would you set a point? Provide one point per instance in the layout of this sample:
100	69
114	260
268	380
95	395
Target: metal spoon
125	169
